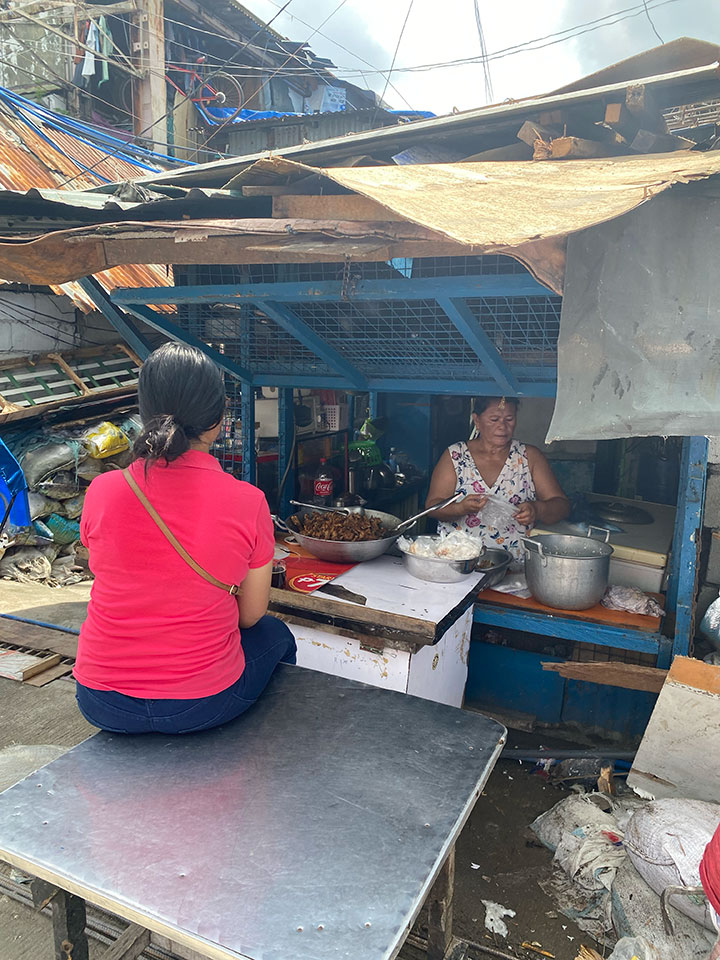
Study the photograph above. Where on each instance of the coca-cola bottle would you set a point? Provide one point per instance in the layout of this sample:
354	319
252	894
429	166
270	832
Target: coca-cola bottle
323	485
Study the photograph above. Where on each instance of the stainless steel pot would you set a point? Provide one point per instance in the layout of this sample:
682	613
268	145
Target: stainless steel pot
569	573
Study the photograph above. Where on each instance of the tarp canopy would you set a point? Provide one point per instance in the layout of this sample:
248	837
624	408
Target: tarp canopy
523	209
639	344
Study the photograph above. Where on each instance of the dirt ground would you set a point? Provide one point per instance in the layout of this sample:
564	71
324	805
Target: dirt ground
494	860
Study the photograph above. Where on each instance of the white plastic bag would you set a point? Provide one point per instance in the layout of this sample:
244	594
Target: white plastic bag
710	624
634	948
665	841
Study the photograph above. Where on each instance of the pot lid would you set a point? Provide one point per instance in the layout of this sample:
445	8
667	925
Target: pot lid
619	512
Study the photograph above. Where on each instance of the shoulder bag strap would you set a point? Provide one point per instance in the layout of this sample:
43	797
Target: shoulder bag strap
233	589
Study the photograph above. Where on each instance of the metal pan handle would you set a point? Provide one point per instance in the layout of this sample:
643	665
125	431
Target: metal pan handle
531	545
603	531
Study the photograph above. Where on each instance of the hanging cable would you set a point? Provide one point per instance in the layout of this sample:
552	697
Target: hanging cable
397	48
483	51
650	21
187	96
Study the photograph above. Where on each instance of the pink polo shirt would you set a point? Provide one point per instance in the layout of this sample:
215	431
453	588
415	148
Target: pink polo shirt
155	628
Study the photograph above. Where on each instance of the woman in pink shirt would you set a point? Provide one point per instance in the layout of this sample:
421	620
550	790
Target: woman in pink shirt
176	637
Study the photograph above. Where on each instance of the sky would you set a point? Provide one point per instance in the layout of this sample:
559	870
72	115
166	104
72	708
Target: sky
361	37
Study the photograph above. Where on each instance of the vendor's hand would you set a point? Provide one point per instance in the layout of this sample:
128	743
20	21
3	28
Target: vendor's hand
471	504
527	514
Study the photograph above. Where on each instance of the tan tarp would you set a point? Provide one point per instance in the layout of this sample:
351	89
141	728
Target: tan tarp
523	209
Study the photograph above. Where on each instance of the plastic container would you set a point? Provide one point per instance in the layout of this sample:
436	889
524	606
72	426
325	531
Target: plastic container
334	416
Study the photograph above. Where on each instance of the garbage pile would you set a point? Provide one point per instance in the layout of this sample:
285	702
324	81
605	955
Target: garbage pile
615	857
58	467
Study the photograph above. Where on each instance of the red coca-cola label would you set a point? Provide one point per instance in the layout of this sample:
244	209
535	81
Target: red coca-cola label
323	487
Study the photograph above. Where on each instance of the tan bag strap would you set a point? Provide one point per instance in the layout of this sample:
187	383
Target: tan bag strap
232	588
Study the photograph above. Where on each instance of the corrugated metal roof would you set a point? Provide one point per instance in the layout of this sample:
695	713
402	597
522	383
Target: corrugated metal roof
28	160
668	89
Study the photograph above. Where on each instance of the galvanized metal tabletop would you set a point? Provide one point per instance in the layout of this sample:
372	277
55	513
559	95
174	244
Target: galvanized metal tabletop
310	828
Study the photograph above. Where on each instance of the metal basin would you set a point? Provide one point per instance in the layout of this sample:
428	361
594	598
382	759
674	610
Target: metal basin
568	573
347	551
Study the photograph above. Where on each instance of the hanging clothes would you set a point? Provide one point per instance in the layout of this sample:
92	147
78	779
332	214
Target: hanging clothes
93	41
106	48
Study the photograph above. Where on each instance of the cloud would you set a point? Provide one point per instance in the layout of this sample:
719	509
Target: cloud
447	32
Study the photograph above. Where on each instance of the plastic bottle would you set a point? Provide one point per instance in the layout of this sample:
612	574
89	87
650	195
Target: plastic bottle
392	461
323	485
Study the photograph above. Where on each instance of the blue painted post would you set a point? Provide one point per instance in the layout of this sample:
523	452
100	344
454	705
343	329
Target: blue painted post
373	404
286	450
247	408
686	545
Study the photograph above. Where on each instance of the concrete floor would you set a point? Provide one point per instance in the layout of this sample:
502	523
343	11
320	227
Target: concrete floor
494	862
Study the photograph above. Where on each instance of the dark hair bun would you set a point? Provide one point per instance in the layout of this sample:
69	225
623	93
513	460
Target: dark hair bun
181	396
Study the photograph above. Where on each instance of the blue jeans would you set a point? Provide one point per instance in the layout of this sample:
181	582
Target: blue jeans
265	645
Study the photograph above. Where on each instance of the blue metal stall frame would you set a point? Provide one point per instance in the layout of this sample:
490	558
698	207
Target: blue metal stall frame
486	328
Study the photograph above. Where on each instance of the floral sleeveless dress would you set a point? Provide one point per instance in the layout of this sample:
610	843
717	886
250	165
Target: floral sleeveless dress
514	485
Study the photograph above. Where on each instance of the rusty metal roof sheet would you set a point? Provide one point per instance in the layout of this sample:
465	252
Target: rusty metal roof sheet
28	160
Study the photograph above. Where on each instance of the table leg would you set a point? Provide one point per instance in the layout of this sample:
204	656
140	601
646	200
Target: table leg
69	920
440	910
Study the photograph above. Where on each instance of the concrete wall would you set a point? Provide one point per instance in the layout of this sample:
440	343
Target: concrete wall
32	323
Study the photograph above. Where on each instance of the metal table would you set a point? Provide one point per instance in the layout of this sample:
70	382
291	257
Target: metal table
312	827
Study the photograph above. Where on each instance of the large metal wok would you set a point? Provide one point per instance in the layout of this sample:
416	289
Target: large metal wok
356	551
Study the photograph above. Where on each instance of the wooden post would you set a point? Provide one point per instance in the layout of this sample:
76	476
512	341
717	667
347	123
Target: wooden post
440	910
150	93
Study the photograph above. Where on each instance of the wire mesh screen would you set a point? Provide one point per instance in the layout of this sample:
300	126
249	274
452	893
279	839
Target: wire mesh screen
243	333
523	329
392	339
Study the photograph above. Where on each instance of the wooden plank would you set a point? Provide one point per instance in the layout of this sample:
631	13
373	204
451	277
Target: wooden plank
38	638
611	673
350	612
345	207
619	118
47	676
67	369
596	614
677	753
130	944
52	660
575	148
640	102
647	142
531	131
511	152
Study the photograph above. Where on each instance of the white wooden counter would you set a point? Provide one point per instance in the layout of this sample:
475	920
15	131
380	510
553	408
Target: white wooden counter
409	635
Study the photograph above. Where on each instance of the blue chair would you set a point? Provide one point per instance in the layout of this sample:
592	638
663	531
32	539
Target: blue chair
13	490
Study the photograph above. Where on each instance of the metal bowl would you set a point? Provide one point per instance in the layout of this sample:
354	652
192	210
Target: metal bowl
494	564
438	569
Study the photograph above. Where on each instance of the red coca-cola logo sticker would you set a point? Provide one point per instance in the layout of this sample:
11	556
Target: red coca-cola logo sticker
323	488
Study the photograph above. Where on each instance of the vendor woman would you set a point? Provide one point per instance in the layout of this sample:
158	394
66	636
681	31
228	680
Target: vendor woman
495	466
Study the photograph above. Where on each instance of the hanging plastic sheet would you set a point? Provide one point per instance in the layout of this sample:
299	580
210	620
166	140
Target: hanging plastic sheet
639	344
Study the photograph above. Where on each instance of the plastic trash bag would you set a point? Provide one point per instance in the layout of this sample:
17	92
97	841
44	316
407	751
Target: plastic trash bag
42	461
710	625
631	600
40	505
25	564
71	508
105	440
634	948
63	530
61	486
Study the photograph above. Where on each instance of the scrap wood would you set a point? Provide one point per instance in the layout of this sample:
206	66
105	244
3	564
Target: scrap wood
683	732
611	673
587	953
536	948
22	666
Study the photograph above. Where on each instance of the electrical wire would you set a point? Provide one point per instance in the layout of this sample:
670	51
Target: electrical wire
483	51
381	100
650	21
187	96
275	73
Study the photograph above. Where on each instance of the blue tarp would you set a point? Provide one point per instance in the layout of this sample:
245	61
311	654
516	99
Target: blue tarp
13	484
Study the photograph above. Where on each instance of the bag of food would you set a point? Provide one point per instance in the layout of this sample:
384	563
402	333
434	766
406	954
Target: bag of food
105	440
